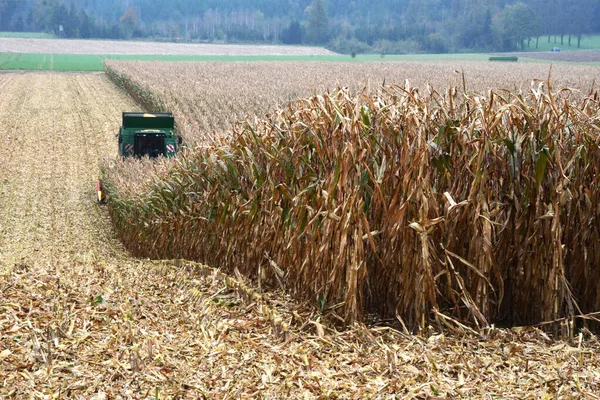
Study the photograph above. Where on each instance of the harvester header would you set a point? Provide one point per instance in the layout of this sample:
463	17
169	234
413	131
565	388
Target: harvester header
148	121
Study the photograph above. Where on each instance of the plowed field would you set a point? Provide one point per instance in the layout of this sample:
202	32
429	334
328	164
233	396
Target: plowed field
79	318
66	46
585	56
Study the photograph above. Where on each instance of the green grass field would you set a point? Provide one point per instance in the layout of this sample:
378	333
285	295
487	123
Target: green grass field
588	42
50	62
28	35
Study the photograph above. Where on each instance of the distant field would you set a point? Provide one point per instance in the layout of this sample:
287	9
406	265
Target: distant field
33	42
33	53
94	62
584	56
88	55
589	52
221	92
28	35
99	47
588	42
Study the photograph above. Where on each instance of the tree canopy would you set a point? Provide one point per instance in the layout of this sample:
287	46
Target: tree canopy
317	23
394	26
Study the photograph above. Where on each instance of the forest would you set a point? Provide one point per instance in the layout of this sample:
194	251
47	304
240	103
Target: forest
355	26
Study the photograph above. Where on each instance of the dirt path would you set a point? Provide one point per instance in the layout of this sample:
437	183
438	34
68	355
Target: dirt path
81	319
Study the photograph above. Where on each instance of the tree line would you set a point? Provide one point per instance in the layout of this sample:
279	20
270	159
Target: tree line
350	26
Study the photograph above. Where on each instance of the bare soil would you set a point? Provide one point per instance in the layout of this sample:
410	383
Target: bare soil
582	56
81	319
70	46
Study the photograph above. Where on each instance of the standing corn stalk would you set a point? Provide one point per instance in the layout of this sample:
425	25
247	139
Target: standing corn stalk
405	204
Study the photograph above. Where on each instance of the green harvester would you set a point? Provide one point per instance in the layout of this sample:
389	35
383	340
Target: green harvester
146	135
151	135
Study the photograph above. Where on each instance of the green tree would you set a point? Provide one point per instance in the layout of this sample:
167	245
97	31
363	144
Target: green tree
475	30
580	19
59	16
517	23
86	25
596	19
9	10
292	34
42	10
317	24
129	21
73	24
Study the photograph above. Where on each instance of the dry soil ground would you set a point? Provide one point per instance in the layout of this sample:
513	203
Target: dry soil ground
79	318
582	56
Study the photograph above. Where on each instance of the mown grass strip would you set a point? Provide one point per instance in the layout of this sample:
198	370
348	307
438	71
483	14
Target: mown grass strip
27	35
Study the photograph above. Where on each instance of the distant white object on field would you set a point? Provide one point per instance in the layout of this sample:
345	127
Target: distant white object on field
555	49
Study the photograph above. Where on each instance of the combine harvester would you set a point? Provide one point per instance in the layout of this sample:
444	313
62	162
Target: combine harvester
146	135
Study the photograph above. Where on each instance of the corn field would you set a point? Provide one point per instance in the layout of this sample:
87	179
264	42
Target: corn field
463	204
207	98
80	318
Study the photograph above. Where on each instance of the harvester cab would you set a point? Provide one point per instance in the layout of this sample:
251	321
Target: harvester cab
151	135
146	135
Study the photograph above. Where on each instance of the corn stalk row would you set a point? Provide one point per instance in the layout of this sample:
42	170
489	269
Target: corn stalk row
479	208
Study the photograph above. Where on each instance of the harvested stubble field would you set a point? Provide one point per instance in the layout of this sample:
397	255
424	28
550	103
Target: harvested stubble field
80	318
